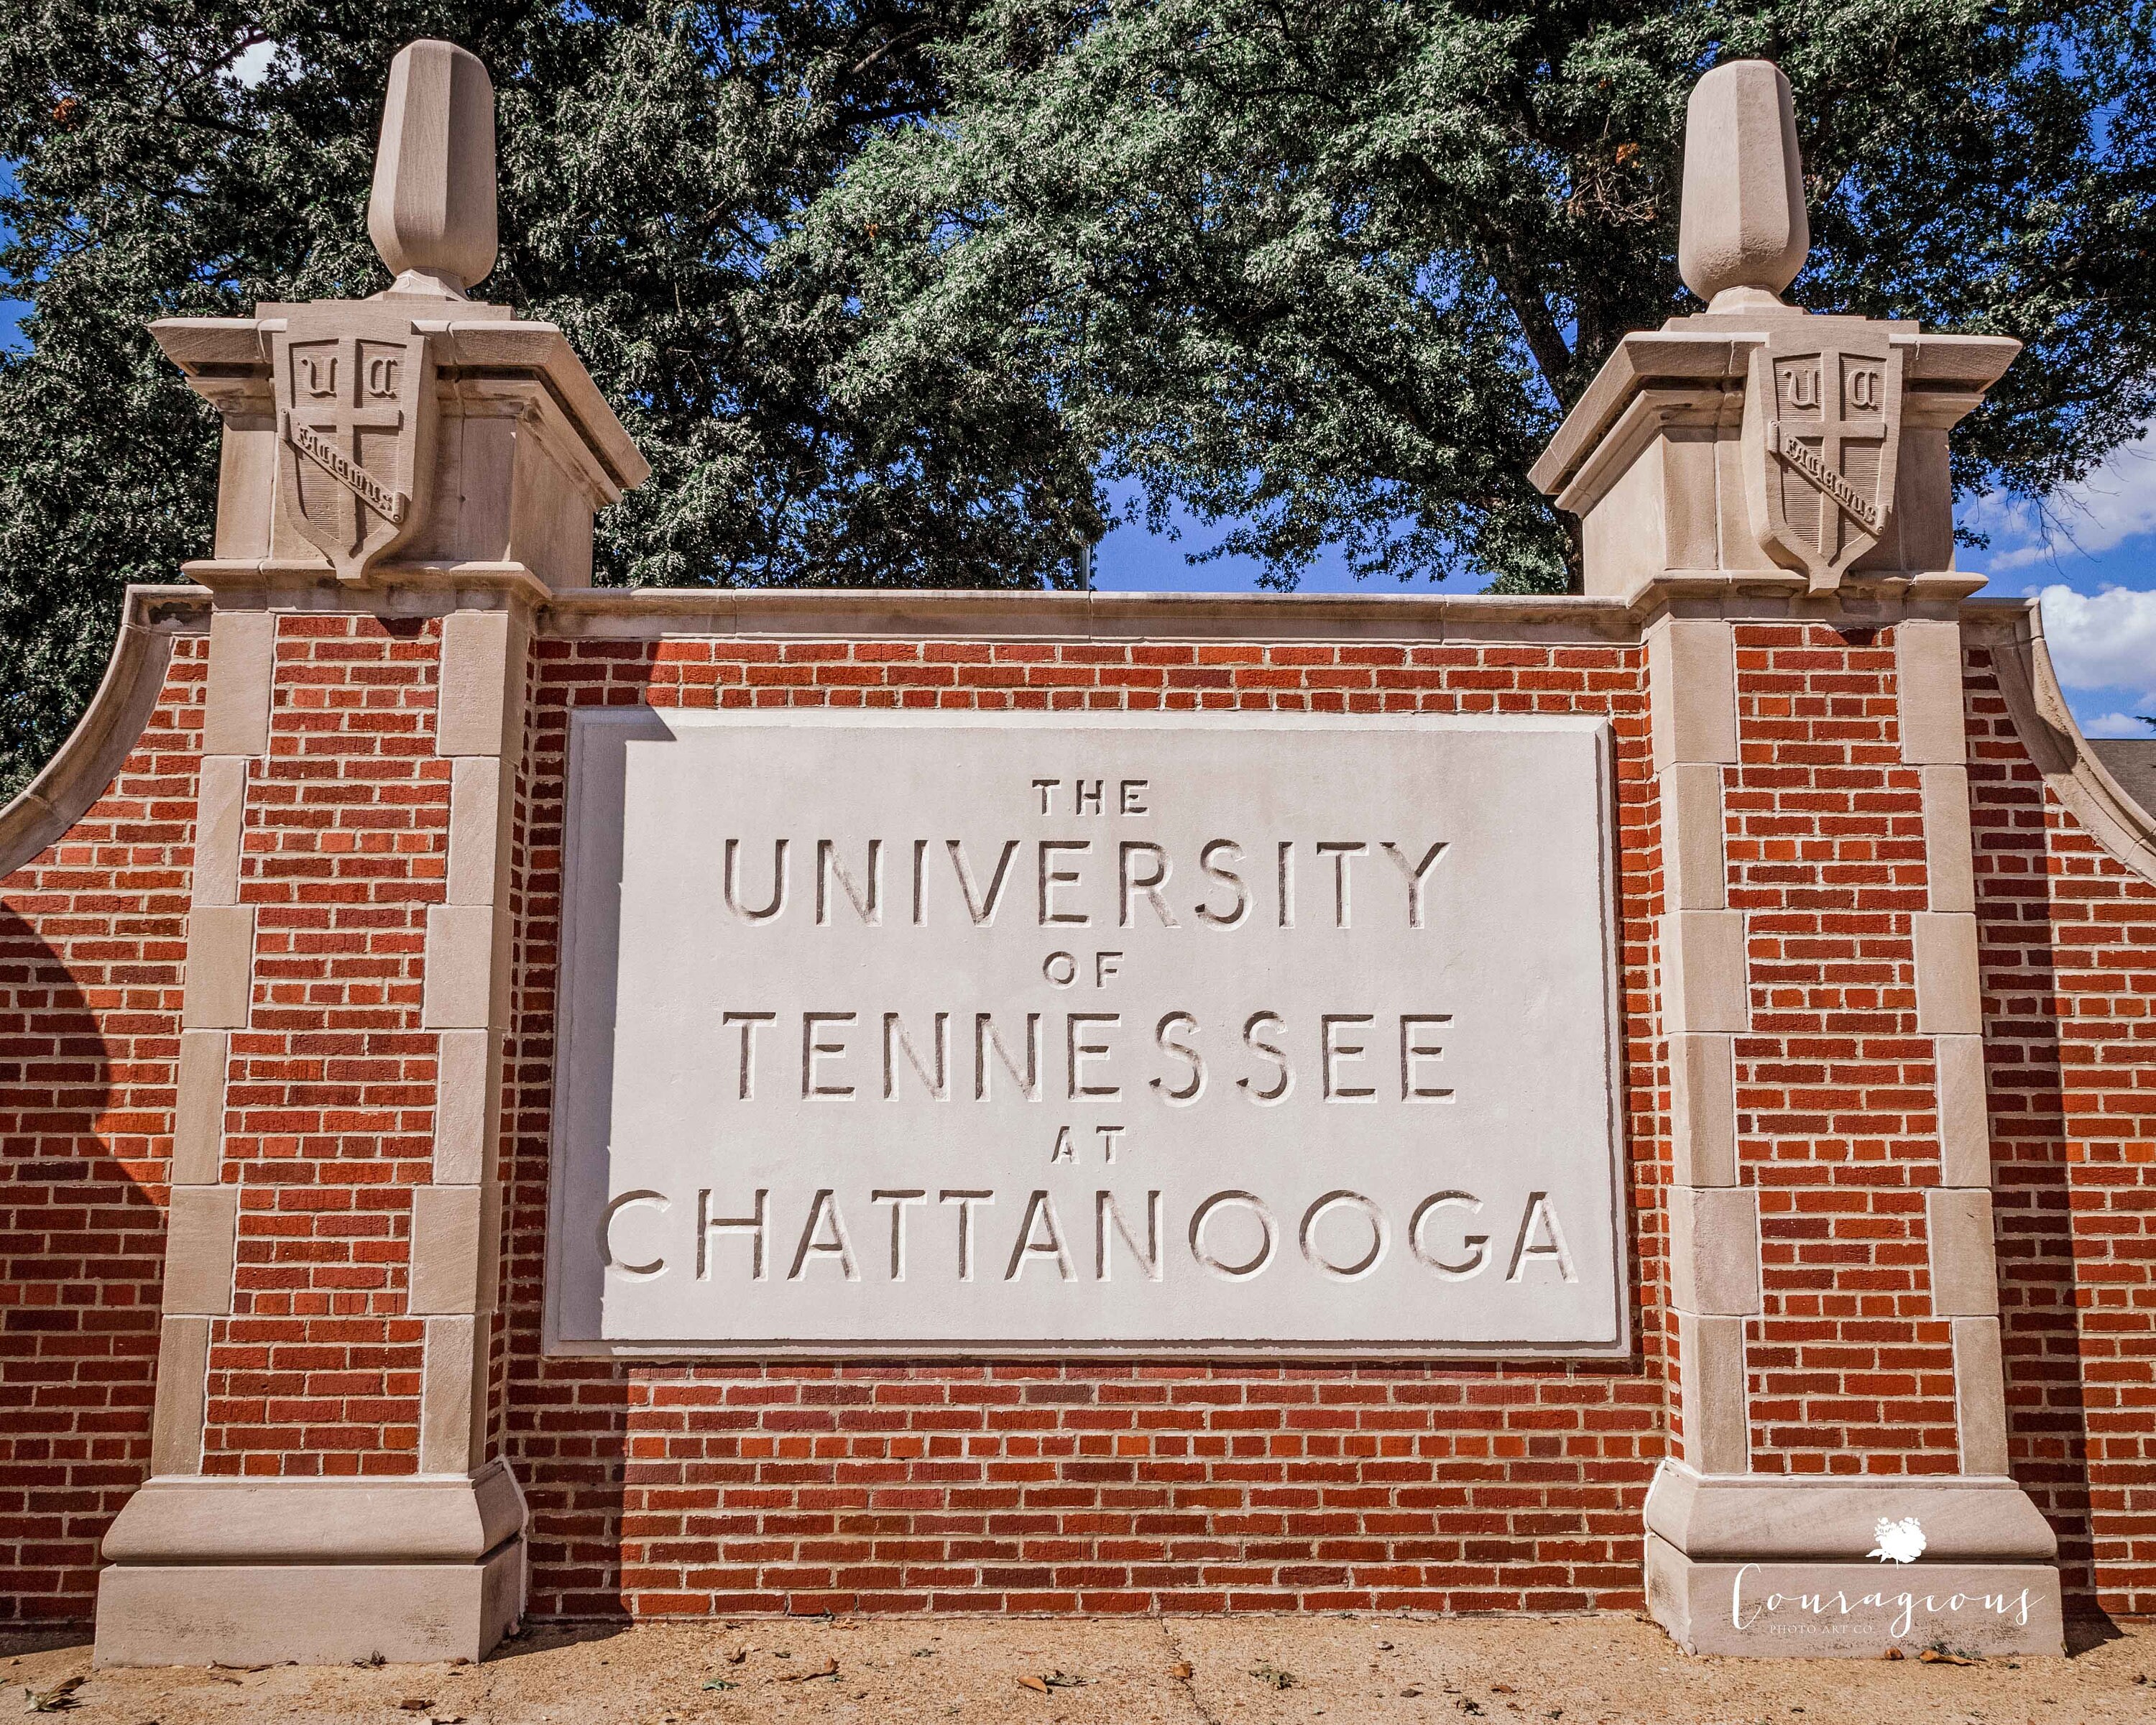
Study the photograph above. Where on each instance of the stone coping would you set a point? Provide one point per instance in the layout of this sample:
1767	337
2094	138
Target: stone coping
2076	774
94	751
87	762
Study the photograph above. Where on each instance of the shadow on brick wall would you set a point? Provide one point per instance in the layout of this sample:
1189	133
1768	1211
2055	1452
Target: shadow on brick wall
2047	1429
81	1252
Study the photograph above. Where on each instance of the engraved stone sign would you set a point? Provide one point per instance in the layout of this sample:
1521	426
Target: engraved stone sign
1181	1033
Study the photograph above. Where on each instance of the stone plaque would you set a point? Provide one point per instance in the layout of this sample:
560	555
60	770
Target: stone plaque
1190	1032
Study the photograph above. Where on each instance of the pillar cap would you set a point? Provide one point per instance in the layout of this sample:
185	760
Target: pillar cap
432	214
1743	234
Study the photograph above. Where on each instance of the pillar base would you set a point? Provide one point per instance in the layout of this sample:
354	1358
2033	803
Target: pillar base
318	1572
1768	1567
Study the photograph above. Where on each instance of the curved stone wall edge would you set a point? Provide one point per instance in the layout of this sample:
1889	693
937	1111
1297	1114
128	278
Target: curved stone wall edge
92	757
2037	704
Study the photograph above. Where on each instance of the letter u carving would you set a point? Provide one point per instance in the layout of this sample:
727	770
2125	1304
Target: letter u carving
777	901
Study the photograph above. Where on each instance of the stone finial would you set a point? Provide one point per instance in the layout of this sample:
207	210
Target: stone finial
1743	235
432	215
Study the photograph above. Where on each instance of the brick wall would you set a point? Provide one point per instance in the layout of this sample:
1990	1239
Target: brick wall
670	1490
1849	1372
667	1490
93	934
2069	962
330	1093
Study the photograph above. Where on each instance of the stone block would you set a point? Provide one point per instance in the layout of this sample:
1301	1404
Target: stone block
1705	986
199	1108
467	1107
243	666
1695	873
201	1229
1948	858
479	707
1928	681
452	1395
450	1238
1964	1112
1692	691
220	972
176	1422
467	966
1949	997
1703	1110
479	829
246	1615
1964	1264
220	812
1979	1396
1714	1250
1715	1395
1776	1518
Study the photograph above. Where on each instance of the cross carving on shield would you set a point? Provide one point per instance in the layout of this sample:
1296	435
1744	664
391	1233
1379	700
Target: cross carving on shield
356	414
1823	434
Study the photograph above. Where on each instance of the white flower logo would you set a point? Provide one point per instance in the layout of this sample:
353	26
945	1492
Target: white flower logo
1901	1541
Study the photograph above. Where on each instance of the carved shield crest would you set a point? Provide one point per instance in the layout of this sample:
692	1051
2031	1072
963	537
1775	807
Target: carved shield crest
356	415
1822	435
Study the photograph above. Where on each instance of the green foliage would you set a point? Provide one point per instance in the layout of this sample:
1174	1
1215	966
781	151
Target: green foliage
1331	269
649	156
889	290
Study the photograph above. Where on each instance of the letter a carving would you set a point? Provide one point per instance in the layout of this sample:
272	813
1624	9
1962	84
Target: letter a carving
356	414
1822	438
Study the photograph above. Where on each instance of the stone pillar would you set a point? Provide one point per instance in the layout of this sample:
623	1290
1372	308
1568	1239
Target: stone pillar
1738	472
1706	1002
423	468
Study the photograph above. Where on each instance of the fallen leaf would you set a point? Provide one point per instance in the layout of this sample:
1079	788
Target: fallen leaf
1273	1678
416	1703
1039	1686
1384	1646
218	1664
1503	1689
722	1683
1892	1653
829	1668
1939	1656
738	1656
1181	1670
1411	1693
57	1699
373	1661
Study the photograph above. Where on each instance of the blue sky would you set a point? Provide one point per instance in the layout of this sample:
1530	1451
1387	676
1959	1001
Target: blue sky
2093	560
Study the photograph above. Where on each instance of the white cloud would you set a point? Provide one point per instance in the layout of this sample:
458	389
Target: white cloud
2105	640
2117	725
2117	501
